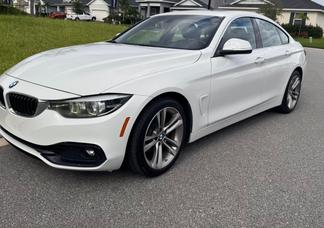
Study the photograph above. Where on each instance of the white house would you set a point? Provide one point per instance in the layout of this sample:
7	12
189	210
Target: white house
292	13
197	4
98	8
292	10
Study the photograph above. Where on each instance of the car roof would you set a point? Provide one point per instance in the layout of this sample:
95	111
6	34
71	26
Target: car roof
218	13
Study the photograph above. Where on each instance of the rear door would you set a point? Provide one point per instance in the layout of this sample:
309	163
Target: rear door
277	63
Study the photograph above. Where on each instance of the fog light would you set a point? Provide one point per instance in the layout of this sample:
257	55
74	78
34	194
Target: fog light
90	152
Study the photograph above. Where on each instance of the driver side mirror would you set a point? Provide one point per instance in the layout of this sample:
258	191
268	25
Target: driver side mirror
235	47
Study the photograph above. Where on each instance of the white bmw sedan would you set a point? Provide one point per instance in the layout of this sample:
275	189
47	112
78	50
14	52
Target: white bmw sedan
138	98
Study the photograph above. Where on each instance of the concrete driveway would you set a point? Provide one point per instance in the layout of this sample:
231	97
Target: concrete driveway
267	171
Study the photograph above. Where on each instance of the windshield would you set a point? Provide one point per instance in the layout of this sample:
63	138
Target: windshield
192	32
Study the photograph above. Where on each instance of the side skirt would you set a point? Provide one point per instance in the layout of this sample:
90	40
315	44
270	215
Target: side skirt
274	102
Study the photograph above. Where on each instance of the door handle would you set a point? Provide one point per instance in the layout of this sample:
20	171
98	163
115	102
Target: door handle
259	60
288	53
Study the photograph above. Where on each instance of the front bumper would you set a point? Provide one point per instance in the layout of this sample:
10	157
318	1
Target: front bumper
47	130
67	153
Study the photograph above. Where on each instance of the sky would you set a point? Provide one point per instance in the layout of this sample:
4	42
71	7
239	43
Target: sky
319	1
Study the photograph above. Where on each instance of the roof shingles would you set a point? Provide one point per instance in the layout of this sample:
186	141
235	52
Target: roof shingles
288	4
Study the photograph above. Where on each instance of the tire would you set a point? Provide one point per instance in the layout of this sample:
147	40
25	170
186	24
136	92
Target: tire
93	19
77	19
292	94
150	151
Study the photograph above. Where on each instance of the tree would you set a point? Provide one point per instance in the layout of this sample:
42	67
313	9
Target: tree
271	10
304	17
129	14
77	6
47	5
39	8
124	6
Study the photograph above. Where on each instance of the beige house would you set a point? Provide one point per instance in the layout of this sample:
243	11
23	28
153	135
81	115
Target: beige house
147	8
99	8
292	10
196	4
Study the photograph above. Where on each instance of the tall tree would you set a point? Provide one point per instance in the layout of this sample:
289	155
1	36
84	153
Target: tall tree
271	9
77	6
304	18
124	6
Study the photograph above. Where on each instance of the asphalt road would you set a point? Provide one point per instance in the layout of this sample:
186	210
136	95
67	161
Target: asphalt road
267	171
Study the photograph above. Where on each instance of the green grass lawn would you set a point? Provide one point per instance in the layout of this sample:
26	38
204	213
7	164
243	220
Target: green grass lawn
23	36
317	43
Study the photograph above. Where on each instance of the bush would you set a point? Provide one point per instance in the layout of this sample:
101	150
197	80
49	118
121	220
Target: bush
5	9
304	31
116	19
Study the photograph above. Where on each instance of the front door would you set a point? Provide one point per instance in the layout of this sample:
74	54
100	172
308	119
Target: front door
237	80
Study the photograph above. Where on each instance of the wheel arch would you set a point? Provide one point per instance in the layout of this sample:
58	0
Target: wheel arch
171	94
299	70
183	101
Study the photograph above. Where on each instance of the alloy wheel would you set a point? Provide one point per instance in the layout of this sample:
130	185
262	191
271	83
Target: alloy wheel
163	138
293	92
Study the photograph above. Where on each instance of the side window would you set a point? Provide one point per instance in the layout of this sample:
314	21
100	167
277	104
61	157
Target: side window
241	28
269	34
284	38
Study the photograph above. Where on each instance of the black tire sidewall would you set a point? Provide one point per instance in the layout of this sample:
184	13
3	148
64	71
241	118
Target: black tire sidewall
136	152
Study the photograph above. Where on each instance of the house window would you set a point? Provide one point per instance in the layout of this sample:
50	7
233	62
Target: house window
155	10
298	18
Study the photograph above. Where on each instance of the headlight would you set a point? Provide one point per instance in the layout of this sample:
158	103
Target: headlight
89	106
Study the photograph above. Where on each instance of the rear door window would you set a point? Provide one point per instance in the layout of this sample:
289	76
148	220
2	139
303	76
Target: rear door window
269	33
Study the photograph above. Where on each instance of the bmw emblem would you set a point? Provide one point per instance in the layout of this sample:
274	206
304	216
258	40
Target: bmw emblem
13	84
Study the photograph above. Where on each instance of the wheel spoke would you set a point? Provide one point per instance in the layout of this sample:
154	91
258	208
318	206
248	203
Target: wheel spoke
296	83
156	161
174	118
171	150
172	142
174	126
295	95
155	156
290	100
161	118
160	150
149	145
149	138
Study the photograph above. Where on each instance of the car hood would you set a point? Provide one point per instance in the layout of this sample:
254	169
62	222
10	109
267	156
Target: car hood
94	68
